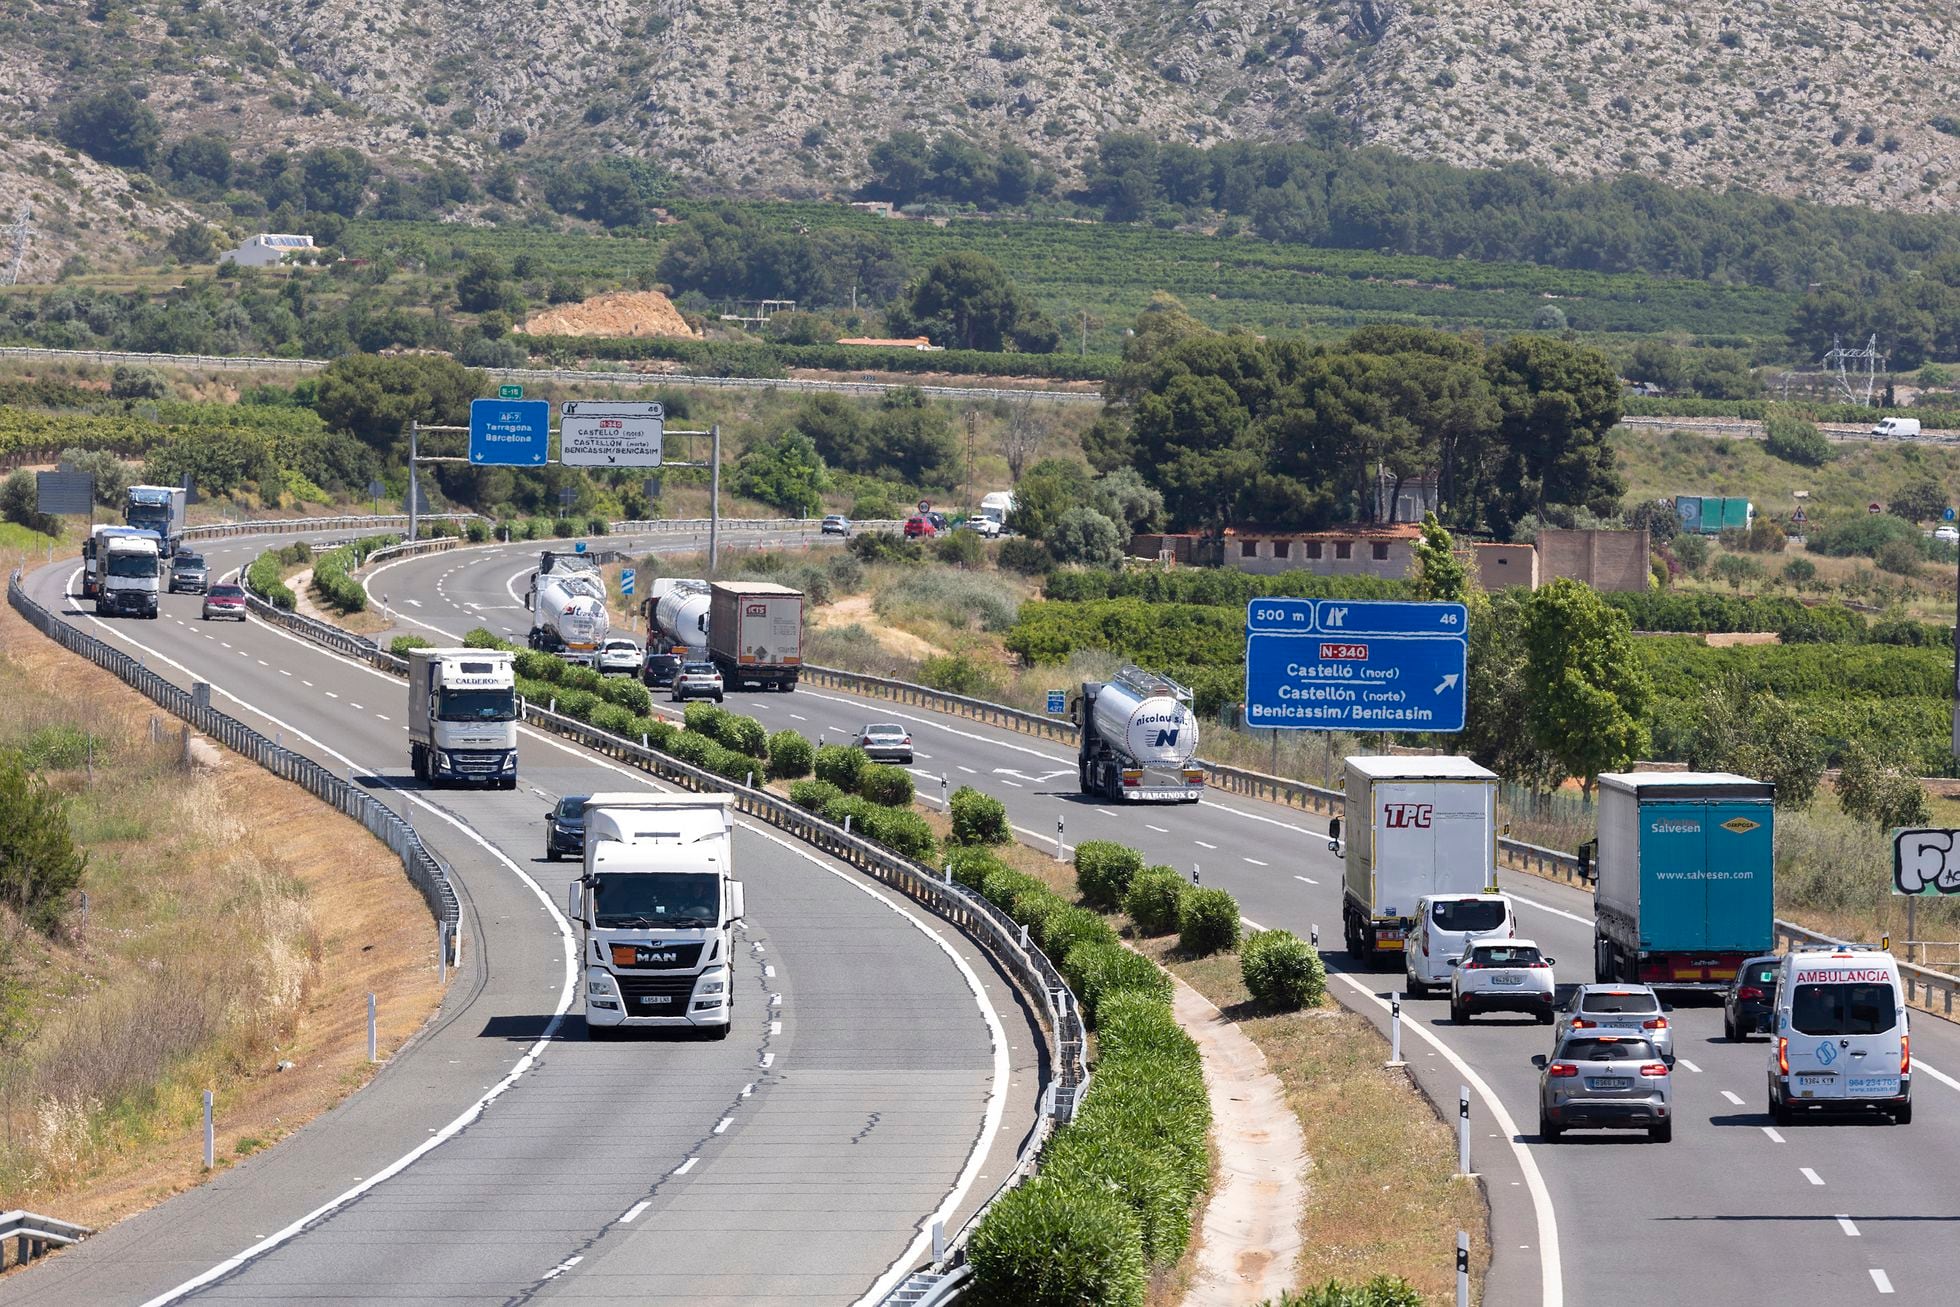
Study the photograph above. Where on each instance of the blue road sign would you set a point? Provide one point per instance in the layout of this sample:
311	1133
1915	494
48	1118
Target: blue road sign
626	578
1364	665
1058	701
579	548
1948	514
510	432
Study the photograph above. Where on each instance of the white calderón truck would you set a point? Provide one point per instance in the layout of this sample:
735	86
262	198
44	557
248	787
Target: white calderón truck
656	910
1135	738
755	633
1413	827
462	716
567	599
129	574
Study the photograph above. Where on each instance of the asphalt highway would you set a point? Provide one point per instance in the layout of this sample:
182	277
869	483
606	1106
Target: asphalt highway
881	1076
1734	1209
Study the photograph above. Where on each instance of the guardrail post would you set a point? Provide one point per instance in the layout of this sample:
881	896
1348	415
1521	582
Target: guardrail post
210	1135
1463	1130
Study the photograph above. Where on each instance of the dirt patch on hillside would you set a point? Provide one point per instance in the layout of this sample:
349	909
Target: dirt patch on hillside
1727	639
616	313
856	610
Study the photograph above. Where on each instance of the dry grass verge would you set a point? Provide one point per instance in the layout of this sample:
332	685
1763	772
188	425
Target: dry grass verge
234	923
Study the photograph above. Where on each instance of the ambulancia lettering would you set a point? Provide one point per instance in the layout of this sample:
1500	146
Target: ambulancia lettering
1864	975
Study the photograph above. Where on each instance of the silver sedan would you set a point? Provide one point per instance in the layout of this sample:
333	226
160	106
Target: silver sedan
886	742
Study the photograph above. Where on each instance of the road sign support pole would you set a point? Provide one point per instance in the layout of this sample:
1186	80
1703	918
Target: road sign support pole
414	485
1912	929
714	497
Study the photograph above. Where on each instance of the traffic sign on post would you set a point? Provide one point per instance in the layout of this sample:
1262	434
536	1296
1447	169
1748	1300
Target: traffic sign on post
1058	701
510	392
510	432
626	579
610	433
1355	665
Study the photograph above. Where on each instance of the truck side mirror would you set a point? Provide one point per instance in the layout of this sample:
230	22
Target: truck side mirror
574	893
1587	852
1334	830
736	904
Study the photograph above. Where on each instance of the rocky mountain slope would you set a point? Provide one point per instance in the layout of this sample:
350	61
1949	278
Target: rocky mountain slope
1849	105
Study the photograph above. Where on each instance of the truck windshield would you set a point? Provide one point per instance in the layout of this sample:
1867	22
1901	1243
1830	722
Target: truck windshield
477	706
133	565
1857	1009
678	898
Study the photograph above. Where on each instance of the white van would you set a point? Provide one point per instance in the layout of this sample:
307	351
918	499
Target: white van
1896	429
1444	927
1839	1038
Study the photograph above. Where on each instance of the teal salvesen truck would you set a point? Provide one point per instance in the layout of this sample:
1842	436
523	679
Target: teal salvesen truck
1684	872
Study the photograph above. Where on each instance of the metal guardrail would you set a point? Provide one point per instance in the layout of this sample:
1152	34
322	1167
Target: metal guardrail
1928	990
425	871
33	1234
1752	429
695	525
617	378
408	549
291	525
981	920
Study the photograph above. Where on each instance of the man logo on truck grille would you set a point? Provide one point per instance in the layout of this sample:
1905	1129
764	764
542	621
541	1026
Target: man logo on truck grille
1740	825
1402	816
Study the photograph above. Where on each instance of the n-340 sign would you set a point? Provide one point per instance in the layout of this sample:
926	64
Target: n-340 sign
611	433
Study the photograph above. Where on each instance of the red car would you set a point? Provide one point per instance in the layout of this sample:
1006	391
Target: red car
918	526
224	601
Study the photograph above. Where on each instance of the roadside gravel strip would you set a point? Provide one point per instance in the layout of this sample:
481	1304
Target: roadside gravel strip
881	1081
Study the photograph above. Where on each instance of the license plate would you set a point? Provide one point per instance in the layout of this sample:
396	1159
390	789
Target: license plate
1824	1078
656	998
1507	980
1609	1082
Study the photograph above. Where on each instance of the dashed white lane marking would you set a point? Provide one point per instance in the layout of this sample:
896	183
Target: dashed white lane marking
1812	1176
1881	1281
1844	1224
562	1267
775	1000
686	1166
1733	1099
775	1027
1774	1137
1255	862
1310	880
1201	844
361	706
1159	829
264	663
724	1123
768	1059
748	1089
1016	784
381	717
968	770
634	1211
308	684
798	717
1690	1065
284	672
769	972
332	695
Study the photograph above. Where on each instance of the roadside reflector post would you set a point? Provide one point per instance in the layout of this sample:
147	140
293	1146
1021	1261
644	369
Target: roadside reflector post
938	1241
1058	840
1463	1130
847	823
210	1138
371	1044
1462	1268
942	792
1313	936
1197	874
1395	1033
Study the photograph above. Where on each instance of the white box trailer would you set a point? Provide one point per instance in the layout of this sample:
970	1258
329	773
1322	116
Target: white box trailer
1413	826
462	716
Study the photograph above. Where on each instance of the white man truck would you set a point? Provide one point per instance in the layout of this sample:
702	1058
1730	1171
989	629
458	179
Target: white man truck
159	509
1413	827
462	716
1135	738
130	573
656	911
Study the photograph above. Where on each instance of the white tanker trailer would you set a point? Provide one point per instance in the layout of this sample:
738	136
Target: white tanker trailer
1135	739
567	600
677	614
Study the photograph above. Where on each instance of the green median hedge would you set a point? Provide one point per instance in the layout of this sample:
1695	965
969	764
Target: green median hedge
262	577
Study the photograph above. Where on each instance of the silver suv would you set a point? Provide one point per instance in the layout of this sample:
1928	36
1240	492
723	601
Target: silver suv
1608	1082
1617	1010
189	575
697	681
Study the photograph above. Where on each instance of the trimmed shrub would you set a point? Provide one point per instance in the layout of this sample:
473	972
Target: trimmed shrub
262	579
840	765
1282	970
480	638
1033	906
972	864
1051	1243
704	719
1148	1186
1028	557
731	764
790	756
1104	869
1155	900
1095	970
1000	885
658	732
401	644
905	831
692	748
1207	921
978	818
1063	930
476	530
1378	1291
745	735
816	796
884	784
628	694
612	717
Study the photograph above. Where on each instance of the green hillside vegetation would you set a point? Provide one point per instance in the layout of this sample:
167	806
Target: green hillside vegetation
1860	471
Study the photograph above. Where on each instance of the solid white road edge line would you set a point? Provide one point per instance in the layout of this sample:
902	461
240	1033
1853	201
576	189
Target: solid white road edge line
1551	1271
1002	1070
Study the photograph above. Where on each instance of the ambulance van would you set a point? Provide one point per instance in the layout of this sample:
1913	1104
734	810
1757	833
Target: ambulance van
1838	1035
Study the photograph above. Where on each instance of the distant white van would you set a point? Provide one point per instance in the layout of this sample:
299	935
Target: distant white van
1839	1038
1896	428
1446	925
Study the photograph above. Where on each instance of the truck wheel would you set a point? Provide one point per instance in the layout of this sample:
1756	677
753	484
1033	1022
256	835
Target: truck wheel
721	1031
1903	1116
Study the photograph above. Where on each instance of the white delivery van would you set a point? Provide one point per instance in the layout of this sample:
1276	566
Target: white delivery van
1838	1035
1445	927
1896	429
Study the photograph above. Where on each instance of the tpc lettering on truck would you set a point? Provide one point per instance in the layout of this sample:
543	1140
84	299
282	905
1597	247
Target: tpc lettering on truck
1685	877
462	716
1414	828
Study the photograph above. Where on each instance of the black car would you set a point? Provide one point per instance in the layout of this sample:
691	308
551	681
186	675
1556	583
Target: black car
564	828
660	668
1747	999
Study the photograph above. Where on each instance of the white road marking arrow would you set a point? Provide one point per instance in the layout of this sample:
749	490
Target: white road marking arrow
1021	775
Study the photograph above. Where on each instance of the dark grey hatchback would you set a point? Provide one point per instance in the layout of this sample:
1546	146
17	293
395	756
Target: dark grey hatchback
1747	999
564	828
